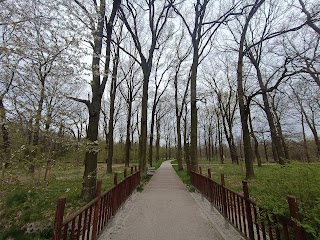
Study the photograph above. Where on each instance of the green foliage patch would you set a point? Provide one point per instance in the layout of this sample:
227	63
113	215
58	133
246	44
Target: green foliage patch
28	204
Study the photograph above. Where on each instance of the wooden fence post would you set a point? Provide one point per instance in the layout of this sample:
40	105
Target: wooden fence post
58	218
135	168
125	187
224	195
294	213
200	170
114	194
131	170
96	211
115	178
209	173
248	209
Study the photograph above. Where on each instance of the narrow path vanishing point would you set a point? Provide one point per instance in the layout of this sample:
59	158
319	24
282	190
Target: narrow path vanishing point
165	210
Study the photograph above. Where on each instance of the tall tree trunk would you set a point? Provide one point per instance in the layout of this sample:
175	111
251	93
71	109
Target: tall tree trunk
279	130
38	115
306	152
221	154
194	114
143	122
128	128
5	133
256	143
234	149
36	128
245	108
199	146
90	162
278	154
316	138
282	139
210	143
206	147
97	88
153	114
113	90
169	148
311	124
230	140
186	145
265	150
216	143
179	143
158	140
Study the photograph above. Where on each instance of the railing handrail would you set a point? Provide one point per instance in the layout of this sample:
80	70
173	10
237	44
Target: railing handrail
103	207
244	215
73	215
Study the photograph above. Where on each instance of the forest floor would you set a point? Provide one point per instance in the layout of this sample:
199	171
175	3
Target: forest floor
271	186
27	201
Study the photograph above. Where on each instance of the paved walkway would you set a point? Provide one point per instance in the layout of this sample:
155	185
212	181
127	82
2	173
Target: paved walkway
165	210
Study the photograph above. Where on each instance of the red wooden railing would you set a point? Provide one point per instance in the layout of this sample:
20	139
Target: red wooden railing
90	220
244	214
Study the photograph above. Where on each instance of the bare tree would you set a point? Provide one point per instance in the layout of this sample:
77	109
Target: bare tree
179	109
158	95
157	14
201	34
129	90
98	25
244	107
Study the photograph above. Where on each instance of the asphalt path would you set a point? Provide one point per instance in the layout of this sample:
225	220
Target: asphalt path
165	210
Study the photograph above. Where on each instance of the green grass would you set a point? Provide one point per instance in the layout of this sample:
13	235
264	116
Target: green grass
271	186
183	176
31	200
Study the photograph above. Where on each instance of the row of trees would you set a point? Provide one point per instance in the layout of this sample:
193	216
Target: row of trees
184	74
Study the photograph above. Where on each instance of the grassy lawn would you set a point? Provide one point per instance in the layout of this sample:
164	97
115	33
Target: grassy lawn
28	202
272	184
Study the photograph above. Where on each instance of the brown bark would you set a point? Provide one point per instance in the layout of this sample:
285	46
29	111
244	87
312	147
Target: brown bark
279	129
278	153
179	142
158	139
227	122
143	121
38	114
265	150
210	143
311	124
128	129
221	154
244	108
256	143
5	133
194	113
97	87
305	146
186	147
156	25
113	90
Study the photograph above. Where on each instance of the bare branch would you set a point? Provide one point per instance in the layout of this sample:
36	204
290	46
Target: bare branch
86	102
